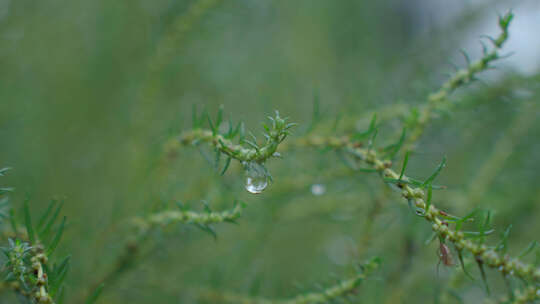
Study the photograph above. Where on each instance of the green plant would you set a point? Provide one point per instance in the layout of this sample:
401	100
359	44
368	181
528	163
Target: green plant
345	289
247	151
27	268
465	240
359	148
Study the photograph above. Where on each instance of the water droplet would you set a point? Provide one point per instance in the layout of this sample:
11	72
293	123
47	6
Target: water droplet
318	189
255	185
256	177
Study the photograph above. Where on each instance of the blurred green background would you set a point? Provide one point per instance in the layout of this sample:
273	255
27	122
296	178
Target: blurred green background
92	90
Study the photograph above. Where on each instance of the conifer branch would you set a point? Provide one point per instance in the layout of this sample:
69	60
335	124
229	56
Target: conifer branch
185	216
528	295
275	134
415	194
459	79
336	292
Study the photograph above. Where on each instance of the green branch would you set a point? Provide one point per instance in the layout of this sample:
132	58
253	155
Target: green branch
461	78
340	290
419	194
415	194
529	295
170	217
328	295
417	120
130	253
28	271
275	135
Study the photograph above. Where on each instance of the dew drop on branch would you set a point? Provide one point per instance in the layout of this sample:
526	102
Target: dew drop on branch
256	185
256	177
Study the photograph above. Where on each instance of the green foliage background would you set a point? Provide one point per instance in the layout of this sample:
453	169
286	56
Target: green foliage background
91	92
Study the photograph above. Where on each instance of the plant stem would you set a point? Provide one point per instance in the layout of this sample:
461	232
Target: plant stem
416	196
330	294
188	217
460	78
